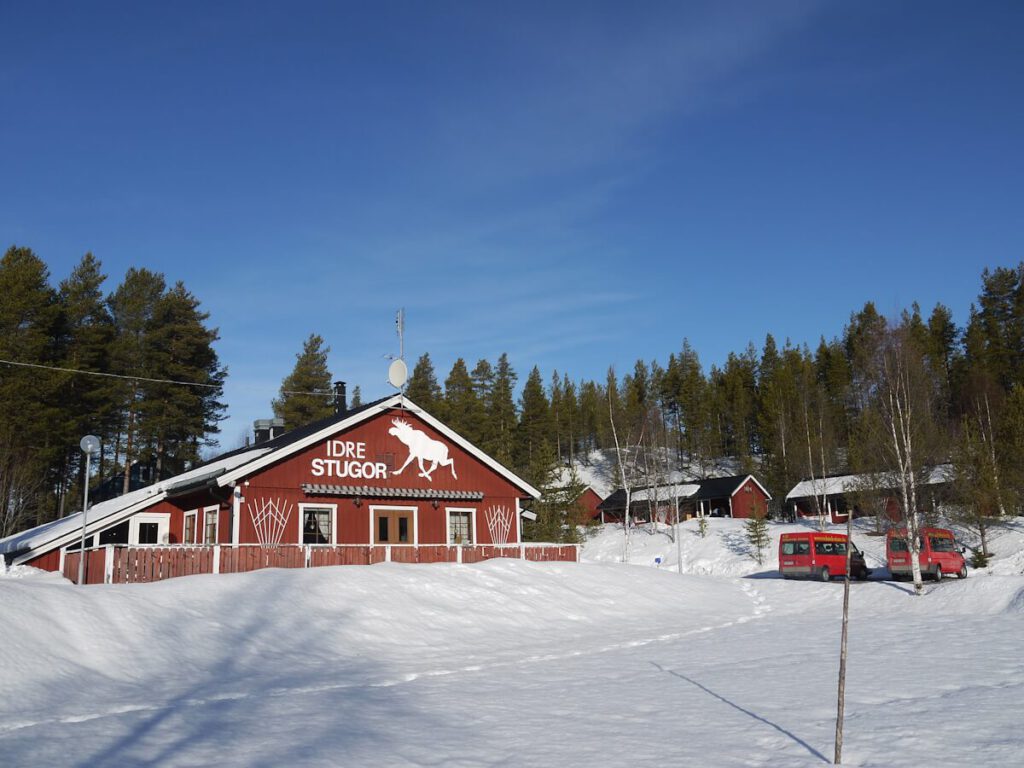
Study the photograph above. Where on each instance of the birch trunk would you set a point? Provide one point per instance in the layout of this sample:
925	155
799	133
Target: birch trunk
901	423
625	484
990	438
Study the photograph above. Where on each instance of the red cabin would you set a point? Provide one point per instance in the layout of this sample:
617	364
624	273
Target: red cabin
588	504
940	555
818	555
385	481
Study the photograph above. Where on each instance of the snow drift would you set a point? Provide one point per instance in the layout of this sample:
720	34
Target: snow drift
510	663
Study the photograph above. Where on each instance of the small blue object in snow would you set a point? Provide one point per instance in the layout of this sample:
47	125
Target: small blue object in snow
657	561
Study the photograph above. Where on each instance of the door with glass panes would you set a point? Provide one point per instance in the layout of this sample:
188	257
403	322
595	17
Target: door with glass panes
393	526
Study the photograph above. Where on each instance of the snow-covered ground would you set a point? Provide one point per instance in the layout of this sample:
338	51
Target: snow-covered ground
516	664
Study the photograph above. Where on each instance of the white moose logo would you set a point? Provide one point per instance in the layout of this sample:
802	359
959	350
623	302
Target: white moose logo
422	447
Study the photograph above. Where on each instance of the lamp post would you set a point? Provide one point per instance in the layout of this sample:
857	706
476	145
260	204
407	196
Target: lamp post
89	444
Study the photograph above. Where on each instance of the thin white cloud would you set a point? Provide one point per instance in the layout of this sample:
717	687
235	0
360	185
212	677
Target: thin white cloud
589	86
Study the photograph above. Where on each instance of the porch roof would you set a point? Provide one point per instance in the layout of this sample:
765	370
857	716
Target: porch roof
381	492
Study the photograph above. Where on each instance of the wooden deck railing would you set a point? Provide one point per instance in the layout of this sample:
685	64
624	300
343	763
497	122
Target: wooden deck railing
119	564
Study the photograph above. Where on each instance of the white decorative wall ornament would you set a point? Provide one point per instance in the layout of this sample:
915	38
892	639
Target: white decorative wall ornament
269	518
423	448
499	523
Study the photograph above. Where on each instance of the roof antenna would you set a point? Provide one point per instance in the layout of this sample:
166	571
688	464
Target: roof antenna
398	372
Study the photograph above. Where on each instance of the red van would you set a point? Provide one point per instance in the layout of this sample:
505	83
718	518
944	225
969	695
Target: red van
817	555
940	555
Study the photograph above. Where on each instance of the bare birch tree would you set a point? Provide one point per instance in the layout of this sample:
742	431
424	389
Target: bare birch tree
626	463
906	403
817	442
20	481
977	471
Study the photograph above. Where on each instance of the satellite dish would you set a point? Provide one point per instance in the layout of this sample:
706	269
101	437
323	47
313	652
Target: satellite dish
90	444
398	373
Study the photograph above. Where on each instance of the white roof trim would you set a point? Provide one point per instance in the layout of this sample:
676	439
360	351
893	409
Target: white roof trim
756	481
275	455
512	477
393	402
58	533
92	527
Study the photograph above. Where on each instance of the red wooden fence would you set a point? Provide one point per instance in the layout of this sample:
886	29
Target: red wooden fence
360	555
114	564
242	559
95	566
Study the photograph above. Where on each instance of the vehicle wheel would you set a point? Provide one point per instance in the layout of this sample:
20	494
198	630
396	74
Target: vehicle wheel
963	572
938	573
861	575
825	575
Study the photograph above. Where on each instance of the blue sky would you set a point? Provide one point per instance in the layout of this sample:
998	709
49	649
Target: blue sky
575	184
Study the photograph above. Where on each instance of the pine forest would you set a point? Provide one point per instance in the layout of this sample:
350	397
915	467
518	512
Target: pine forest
783	411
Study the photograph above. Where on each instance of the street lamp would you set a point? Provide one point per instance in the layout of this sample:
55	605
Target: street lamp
89	444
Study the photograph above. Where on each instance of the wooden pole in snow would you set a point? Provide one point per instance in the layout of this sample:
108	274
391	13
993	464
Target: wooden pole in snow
841	703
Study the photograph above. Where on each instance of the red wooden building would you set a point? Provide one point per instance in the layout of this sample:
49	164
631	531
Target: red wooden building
865	495
589	502
735	496
385	481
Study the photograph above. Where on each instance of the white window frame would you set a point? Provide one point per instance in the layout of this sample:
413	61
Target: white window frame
333	526
448	525
163	521
193	513
216	524
374	508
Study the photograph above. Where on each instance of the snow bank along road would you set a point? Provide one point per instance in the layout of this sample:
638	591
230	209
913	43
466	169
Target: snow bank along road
506	663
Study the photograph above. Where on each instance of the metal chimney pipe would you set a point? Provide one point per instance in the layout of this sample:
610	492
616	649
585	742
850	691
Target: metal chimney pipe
340	400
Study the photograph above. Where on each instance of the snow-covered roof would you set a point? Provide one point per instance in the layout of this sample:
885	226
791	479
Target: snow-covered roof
112	511
840	484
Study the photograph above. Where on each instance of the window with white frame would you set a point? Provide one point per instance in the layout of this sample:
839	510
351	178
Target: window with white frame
149	528
210	516
188	535
460	526
317	524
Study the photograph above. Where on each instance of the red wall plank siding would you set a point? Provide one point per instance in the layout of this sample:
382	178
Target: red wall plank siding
50	561
749	501
587	502
281	484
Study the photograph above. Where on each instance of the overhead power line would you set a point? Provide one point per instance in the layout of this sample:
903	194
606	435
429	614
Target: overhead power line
108	375
141	378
